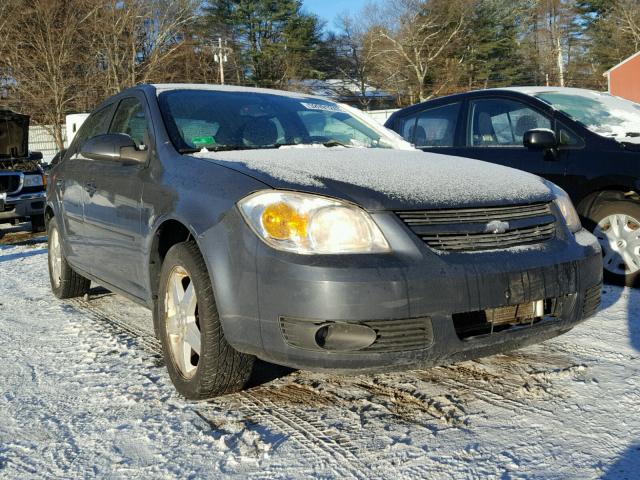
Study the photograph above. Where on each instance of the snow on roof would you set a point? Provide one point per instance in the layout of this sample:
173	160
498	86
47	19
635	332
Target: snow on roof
335	87
439	180
532	90
621	63
164	87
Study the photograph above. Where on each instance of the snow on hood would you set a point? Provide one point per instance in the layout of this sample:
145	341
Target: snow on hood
386	178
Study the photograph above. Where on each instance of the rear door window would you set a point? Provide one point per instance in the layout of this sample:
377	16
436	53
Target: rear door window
433	127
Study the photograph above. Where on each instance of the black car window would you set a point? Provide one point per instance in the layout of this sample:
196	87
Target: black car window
499	122
434	127
566	137
96	124
131	120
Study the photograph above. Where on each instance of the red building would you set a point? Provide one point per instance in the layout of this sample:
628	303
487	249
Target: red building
624	79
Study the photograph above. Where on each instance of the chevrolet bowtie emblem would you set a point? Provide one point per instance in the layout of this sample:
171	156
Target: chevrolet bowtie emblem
496	226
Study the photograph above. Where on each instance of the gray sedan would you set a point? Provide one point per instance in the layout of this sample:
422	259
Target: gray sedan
259	223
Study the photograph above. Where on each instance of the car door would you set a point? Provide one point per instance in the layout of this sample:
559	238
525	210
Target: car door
70	179
113	208
432	129
494	132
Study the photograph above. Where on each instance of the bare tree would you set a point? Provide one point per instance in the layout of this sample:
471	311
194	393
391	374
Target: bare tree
419	39
135	39
42	54
356	50
627	14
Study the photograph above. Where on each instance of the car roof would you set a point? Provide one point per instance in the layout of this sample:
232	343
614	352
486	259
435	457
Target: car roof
532	90
525	90
165	87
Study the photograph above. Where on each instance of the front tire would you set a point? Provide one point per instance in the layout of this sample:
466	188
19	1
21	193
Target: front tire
200	361
616	225
65	282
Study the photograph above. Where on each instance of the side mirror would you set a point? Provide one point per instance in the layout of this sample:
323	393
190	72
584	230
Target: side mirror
35	155
540	139
115	147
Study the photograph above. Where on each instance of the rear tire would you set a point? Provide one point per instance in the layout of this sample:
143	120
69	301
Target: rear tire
38	223
616	224
65	282
200	361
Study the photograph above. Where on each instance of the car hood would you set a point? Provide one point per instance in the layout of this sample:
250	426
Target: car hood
14	135
385	179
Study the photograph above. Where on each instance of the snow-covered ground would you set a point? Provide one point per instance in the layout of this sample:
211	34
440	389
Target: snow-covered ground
84	393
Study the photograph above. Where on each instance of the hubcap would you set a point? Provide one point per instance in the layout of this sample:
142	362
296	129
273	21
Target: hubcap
55	257
619	236
183	325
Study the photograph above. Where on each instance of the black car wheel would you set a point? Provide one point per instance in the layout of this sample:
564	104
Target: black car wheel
616	224
65	282
200	362
37	223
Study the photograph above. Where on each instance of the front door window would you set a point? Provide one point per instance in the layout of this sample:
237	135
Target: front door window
501	122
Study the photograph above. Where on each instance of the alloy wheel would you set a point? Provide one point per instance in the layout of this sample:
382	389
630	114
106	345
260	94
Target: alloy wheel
55	258
183	326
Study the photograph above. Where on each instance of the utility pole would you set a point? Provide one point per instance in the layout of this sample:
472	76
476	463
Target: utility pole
220	56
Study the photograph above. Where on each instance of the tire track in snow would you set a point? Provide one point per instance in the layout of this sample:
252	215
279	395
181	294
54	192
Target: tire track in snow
308	432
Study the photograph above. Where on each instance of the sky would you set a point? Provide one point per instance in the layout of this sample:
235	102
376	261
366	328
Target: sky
329	9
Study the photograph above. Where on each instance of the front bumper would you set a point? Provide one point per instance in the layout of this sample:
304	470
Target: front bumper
262	292
22	205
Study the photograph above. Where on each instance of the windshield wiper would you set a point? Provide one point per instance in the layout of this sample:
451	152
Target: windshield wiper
632	134
336	143
329	143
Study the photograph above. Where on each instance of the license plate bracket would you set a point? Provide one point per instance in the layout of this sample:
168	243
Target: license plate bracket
515	314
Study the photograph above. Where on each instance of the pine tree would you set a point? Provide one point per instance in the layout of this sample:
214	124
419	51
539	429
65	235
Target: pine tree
274	40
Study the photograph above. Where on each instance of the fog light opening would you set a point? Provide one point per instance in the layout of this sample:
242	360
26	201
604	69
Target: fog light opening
344	337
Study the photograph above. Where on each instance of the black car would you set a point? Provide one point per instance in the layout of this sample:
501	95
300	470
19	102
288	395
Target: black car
260	223
587	142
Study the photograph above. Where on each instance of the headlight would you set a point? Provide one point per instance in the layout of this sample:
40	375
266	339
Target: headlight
33	181
311	224
565	205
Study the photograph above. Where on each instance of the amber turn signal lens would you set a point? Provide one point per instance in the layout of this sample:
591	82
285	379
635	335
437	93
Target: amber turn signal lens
282	222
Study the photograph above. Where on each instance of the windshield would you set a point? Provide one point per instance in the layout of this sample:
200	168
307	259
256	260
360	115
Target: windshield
220	120
601	113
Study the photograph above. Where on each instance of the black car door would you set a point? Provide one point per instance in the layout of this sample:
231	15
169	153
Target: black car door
113	210
494	131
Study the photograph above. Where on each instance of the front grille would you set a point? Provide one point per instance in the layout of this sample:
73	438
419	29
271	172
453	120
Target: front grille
9	183
391	335
482	228
591	301
496	320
